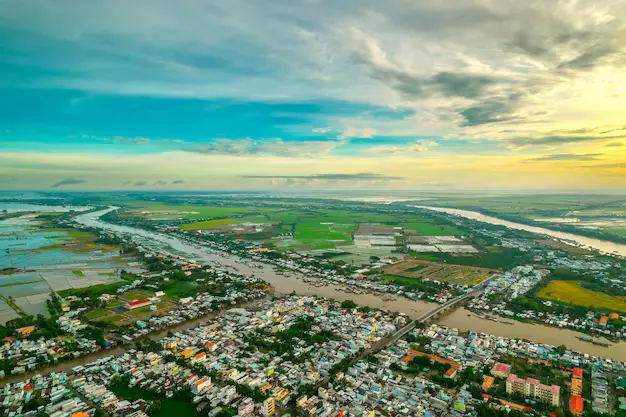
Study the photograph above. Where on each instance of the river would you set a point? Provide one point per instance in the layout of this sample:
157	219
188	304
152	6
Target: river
603	246
119	350
289	282
464	320
282	283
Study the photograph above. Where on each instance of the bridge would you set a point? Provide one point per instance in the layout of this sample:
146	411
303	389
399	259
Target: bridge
427	316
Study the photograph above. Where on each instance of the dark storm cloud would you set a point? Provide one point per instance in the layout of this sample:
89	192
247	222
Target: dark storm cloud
490	111
68	181
447	84
594	56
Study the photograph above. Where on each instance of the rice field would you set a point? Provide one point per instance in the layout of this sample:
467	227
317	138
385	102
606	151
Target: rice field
221	223
437	271
572	292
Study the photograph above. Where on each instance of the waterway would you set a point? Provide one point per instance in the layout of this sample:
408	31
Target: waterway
464	320
120	349
290	281
603	246
283	283
287	282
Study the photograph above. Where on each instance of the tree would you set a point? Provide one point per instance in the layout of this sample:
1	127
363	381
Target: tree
348	304
476	392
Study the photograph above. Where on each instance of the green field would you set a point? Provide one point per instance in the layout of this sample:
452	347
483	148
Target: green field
314	225
572	292
617	231
112	319
403	280
181	289
151	210
321	232
431	229
14	284
80	235
132	296
97	314
146	310
115	303
93	291
79	273
219	223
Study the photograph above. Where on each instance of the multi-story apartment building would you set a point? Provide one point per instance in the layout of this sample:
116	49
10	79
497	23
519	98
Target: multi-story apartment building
533	388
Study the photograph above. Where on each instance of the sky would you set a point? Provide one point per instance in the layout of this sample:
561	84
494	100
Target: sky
313	94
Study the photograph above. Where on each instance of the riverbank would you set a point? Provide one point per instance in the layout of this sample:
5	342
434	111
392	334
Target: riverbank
465	320
286	283
283	282
604	246
66	366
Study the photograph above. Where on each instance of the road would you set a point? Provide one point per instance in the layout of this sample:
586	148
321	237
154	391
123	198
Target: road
391	339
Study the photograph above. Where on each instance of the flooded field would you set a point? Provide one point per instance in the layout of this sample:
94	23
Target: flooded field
45	260
17	207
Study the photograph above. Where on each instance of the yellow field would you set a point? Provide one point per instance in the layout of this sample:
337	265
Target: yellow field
571	291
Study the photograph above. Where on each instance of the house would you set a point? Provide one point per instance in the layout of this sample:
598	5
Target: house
138	304
501	370
450	373
200	386
268	407
576	405
187	353
25	331
487	383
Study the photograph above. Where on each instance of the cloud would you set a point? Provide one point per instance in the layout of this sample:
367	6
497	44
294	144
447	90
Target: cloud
67	181
490	111
266	147
157	183
350	132
614	165
561	138
321	130
420	146
125	141
7	180
364	176
413	85
567	157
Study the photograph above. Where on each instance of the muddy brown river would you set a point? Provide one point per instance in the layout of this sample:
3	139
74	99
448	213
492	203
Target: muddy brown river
287	282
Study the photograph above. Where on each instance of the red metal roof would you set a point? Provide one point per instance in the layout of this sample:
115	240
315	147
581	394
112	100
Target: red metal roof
576	404
137	302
